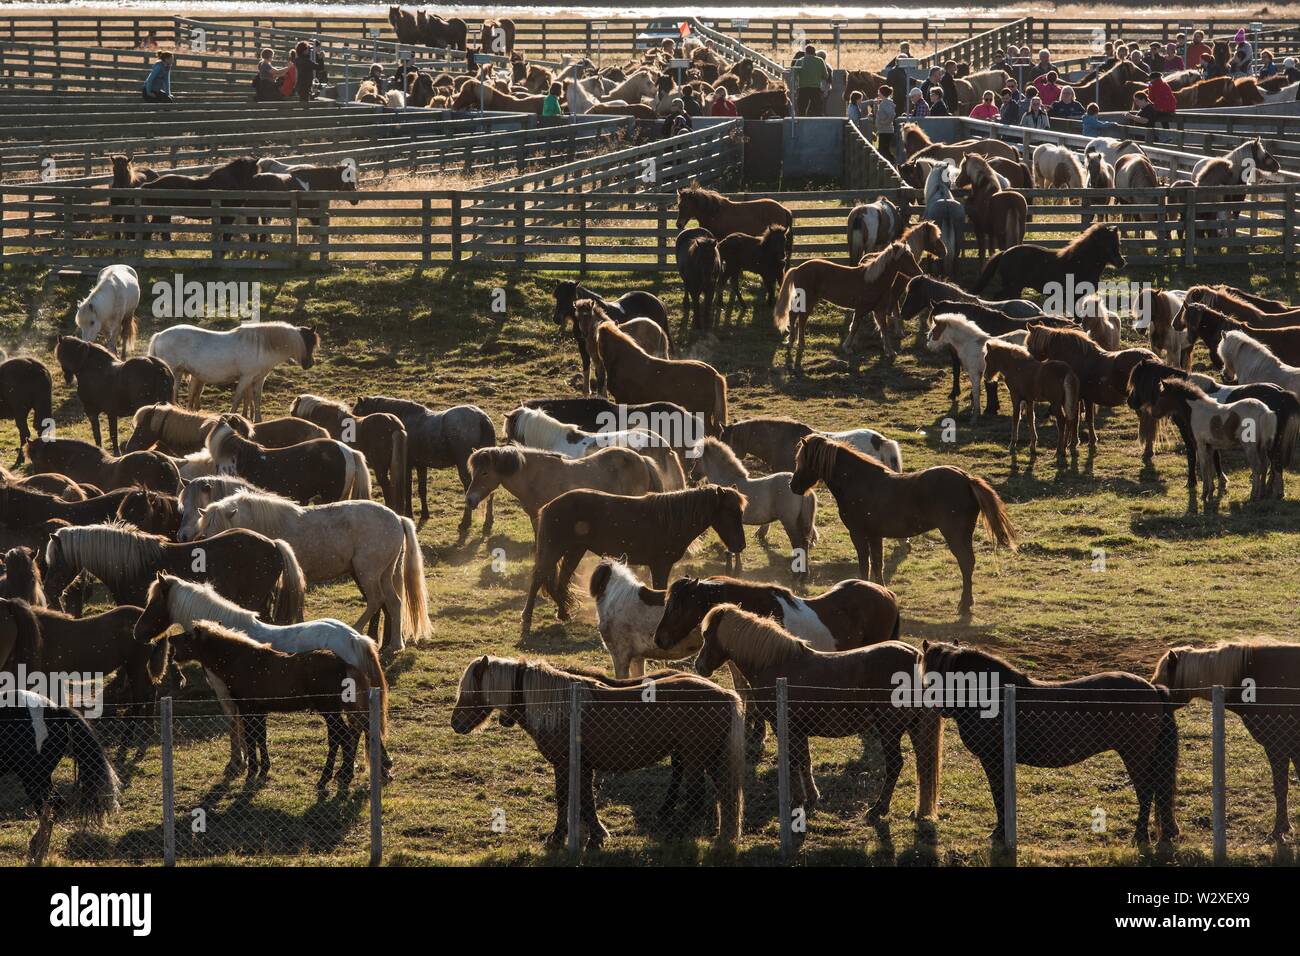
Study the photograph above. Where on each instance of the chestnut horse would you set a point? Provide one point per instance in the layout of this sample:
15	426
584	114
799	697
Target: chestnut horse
84	462
635	377
26	389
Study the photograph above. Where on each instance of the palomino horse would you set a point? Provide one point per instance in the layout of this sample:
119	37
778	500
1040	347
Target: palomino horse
87	463
178	431
1247	422
634	377
321	470
830	695
876	503
1062	723
26	389
1272	670
1036	267
653	530
723	216
693	720
380	436
109	387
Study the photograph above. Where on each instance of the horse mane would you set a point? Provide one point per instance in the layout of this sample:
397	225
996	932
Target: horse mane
1224	663
590	309
915	132
962	324
883	260
707	199
188	602
764	641
619	581
1085	238
538	428
305	405
721	453
1215	293
686	509
1073	343
545	689
115	552
1184	389
616	335
218	437
1257	352
924	225
280	336
268	512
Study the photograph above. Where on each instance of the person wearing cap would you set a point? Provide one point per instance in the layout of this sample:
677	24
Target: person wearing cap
937	106
157	86
1068	106
917	108
1242	57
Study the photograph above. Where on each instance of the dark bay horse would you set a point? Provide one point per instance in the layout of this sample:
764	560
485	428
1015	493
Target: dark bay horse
1032	266
700	266
630	305
1062	723
876	503
26	389
235	174
152	512
1280	332
763	255
112	388
87	463
723	216
29	508
380	436
321	470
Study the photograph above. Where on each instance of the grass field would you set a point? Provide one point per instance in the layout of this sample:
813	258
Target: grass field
1170	577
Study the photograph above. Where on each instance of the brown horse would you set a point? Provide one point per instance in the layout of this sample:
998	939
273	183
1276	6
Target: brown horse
261	680
695	722
1272	670
1062	723
1204	324
699	264
763	104
1030	265
1254	311
126	175
876	503
380	436
653	530
318	471
84	462
723	216
919	146
493	99
1030	381
865	288
27	508
1103	376
235	174
151	512
111	388
830	695
635	377
179	431
498	37
997	215
22	579
26	389
647	333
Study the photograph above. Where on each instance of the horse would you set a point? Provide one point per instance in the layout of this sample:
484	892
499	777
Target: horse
763	255
35	736
917	145
1029	265
84	462
947	213
126	175
723	216
653	530
1157	310
1215	425
645	332
1109	89
627	613
151	512
1134	171
678	427
1103	376
536	477
829	695
875	502
953	331
235	174
26	389
1251	310
1056	167
773	441
1202	323
1098	322
634	377
244	355
872	227
110	387
261	680
179	431
692	720
700	266
1112	149
339	178
498	36
25	508
109	308
865	289
1062	723
442	439
767	499
535	429
1030	381
630	305
244	566
380	437
763	104
475	93
320	470
362	539
997	215
923	292
22	579
1268	714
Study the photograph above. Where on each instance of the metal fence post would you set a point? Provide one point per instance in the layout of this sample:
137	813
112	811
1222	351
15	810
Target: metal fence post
1009	770
1218	776
783	766
376	757
575	766
168	783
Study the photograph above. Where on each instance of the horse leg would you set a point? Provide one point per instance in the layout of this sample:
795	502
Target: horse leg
394	639
561	830
889	743
249	725
1033	429
1278	760
332	734
467	516
1015	424
992	764
422	477
956	376
94	429
596	832
368	582
862	543
959	543
1090	412
196	392
799	750
241	388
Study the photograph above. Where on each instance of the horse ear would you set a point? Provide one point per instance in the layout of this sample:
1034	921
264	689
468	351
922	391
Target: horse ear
925	645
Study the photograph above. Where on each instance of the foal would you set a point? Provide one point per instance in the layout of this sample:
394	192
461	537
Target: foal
1247	422
109	387
1030	381
763	255
647	333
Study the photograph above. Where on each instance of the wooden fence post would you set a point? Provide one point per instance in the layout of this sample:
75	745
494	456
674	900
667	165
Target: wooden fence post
426	229
455	229
1218	775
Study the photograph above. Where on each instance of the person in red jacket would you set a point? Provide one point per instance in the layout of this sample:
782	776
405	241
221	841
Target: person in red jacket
1163	101
722	104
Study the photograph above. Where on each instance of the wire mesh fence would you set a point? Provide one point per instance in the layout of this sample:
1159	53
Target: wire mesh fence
676	770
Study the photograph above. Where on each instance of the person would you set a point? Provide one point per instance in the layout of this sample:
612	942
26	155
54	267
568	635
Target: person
723	105
157	86
856	110
264	84
678	121
692	102
904	52
1210	69
1009	113
1036	117
305	73
1067	107
1044	65
812	72
551	104
1162	97
934	79
149	42
1049	90
917	107
1144	112
405	66
1267	67
1000	61
949	81
288	77
985	109
1094	125
1291	69
1198	50
1156	58
885	114
1013	86
937	106
318	69
898	81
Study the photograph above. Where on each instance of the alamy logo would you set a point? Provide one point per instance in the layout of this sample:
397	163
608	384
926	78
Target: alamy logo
80	690
951	690
77	909
676	429
179	299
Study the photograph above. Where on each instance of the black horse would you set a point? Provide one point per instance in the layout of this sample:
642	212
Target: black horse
1029	265
111	388
26	389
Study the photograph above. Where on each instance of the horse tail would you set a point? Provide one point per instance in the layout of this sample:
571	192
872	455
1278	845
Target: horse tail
97	784
1288	429
1071	409
994	512
356	475
926	734
398	480
731	780
987	275
856	242
897	630
784	296
415	600
130	328
808	519
290	601
156	665
719	413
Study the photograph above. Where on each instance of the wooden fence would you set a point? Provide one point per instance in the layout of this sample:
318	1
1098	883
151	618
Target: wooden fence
978	50
864	167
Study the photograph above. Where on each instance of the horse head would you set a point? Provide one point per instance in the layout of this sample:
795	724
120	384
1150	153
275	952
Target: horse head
681	614
157	616
472	708
728	509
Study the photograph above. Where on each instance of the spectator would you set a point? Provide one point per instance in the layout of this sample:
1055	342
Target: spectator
1044	65
1000	61
904	52
900	83
1162	95
1242	57
305	72
813	72
551	104
1036	117
985	109
264	83
1173	61
288	77
1210	69
1009	114
856	111
319	72
1013	86
1156	59
917	107
934	79
884	113
399	73
1049	90
1067	107
150	42
157	86
1267	67
1144	112
1198	50
1291	69
937	106
693	105
949	81
723	106
678	121
1094	125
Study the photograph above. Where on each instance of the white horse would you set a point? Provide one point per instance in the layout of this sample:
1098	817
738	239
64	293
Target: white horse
1246	361
1155	313
535	429
871	227
1102	325
201	492
872	444
244	355
1247	422
767	499
637	87
109	309
952	331
1056	167
1112	149
946	212
363	539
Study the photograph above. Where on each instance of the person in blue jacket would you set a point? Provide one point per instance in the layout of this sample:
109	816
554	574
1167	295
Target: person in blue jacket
1094	125
158	84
